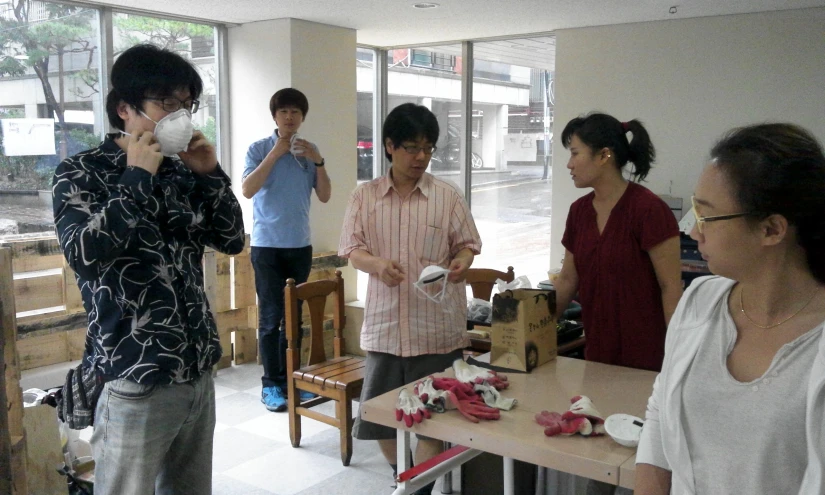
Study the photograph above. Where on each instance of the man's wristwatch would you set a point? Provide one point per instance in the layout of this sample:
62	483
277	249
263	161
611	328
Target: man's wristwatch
323	162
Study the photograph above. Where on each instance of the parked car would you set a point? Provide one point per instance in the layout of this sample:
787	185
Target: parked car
365	153
446	157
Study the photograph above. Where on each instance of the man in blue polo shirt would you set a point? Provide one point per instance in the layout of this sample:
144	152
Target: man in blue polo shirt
281	172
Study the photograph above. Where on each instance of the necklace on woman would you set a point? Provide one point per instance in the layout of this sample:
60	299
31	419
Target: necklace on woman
742	306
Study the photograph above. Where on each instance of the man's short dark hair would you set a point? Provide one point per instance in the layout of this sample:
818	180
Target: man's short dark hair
148	71
289	97
409	122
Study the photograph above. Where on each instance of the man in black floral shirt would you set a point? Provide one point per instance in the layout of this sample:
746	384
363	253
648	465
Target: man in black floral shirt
133	217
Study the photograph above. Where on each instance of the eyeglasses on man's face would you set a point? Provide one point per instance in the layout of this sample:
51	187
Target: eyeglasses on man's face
172	104
700	220
414	150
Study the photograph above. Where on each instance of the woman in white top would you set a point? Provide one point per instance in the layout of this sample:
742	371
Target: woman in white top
739	406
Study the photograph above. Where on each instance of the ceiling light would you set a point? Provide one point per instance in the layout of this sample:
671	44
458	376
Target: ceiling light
425	5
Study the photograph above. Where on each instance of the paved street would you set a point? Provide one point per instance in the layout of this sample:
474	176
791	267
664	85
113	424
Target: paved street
513	219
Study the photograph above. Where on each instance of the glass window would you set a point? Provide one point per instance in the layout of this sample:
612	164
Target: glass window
194	42
365	84
431	76
511	156
50	103
414	75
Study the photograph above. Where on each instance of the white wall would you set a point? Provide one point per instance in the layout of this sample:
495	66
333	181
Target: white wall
318	60
260	63
323	67
689	81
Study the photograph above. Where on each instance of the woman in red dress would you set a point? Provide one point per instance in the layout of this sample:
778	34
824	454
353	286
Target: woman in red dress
621	244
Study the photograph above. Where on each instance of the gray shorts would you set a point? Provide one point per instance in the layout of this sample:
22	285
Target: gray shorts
385	372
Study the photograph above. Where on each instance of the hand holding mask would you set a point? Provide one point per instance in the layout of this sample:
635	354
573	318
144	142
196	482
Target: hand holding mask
173	131
433	283
295	150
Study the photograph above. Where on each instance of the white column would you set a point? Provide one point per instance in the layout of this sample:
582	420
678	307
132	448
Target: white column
318	60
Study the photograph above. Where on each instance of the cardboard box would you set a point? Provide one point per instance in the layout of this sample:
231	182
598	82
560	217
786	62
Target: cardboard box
523	333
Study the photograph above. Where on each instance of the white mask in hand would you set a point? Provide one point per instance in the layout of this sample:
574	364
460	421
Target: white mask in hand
292	148
433	283
173	132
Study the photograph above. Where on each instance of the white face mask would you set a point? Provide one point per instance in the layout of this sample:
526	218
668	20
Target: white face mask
292	148
174	131
433	283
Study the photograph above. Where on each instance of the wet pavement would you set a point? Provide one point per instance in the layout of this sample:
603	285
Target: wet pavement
28	219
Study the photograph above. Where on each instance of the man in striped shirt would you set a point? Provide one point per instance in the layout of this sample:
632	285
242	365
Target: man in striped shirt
394	227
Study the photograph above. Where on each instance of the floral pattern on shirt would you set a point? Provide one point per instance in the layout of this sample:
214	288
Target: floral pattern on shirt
136	243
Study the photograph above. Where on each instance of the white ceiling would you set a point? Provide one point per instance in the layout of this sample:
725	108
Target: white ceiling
395	22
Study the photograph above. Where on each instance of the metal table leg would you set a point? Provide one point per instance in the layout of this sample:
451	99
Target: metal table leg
509	476
447	480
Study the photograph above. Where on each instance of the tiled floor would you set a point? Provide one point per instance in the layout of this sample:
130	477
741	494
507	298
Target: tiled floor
253	455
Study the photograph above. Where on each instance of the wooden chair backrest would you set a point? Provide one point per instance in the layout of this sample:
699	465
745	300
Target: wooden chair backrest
315	295
482	280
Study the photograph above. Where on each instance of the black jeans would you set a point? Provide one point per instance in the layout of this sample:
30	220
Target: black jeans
272	267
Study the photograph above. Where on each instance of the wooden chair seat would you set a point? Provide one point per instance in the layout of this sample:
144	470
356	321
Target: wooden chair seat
336	373
338	379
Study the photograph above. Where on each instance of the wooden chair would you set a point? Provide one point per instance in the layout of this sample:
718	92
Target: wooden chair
338	379
482	280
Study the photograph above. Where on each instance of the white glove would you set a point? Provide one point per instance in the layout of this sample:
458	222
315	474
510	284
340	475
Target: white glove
493	398
582	407
470	373
430	396
410	409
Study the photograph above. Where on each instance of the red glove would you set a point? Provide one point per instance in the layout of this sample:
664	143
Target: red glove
471	407
463	397
470	373
582	407
442	383
555	425
410	408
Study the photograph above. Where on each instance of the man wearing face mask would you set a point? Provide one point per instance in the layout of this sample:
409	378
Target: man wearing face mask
280	174
415	236
133	217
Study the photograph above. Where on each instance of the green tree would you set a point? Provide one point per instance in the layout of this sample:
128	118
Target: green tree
210	130
176	36
29	40
164	33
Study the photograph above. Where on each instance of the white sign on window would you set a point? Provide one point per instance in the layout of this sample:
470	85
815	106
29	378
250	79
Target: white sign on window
25	137
520	147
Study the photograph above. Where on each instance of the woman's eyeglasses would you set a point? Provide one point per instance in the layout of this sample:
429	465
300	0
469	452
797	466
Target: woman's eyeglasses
172	104
700	220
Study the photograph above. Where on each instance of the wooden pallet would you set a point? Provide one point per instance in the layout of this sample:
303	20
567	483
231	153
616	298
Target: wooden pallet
12	433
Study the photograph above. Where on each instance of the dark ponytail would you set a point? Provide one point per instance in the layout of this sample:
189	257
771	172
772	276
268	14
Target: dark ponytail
779	169
599	130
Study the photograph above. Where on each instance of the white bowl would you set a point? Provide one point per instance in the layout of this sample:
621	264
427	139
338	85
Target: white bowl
624	429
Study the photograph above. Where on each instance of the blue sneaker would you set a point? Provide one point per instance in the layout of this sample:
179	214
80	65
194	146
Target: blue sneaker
304	396
274	399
